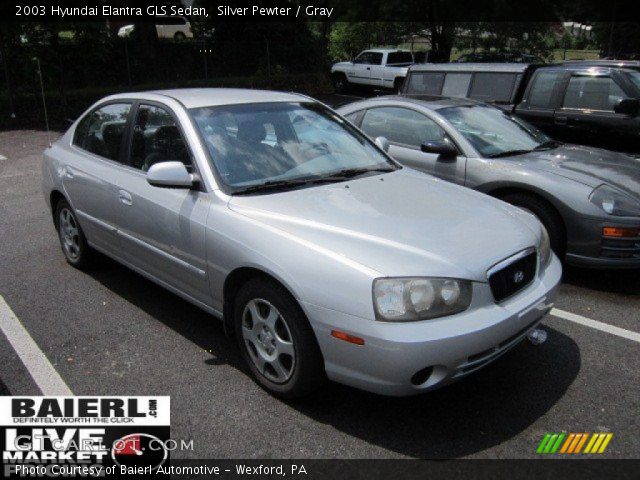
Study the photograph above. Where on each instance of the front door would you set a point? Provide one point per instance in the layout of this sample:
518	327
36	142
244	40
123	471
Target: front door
406	130
163	229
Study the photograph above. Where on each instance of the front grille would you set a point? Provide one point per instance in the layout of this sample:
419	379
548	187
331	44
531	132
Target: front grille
620	247
509	277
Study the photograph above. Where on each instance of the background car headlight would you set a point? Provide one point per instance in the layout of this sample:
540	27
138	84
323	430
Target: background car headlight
615	202
544	249
406	299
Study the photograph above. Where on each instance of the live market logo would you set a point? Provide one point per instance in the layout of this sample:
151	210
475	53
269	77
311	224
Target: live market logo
83	436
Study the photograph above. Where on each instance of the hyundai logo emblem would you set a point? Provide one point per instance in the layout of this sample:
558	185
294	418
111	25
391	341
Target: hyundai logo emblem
518	276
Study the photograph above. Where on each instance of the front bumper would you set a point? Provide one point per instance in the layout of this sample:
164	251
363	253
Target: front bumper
587	247
452	347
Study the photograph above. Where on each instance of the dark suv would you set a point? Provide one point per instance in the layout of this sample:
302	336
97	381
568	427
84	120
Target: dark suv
576	102
589	105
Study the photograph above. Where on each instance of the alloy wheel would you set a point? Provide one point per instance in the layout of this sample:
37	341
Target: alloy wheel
268	340
69	234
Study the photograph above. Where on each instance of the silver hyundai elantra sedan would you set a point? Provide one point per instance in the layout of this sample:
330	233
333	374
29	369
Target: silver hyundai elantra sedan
322	256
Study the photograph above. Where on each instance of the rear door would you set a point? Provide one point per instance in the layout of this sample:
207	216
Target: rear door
162	229
89	171
406	130
541	99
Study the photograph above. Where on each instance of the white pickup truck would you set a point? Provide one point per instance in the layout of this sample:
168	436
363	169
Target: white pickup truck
377	68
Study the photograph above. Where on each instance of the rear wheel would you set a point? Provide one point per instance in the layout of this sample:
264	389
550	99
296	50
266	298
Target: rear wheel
72	240
179	36
276	340
397	85
547	215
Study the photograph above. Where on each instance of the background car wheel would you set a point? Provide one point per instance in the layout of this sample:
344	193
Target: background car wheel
340	83
179	36
72	240
547	215
397	85
276	340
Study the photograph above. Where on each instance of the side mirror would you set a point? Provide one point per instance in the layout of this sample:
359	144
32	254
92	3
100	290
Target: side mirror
446	150
383	143
170	175
628	106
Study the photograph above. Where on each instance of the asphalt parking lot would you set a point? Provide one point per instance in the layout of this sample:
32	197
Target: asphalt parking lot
111	332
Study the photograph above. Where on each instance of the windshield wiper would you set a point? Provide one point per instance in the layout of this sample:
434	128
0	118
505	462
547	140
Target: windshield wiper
509	153
548	145
354	172
275	185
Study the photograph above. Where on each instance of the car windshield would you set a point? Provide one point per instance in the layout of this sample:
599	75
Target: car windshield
267	144
494	133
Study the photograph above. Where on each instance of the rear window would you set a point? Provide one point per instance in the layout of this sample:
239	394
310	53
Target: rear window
493	87
542	88
399	57
428	83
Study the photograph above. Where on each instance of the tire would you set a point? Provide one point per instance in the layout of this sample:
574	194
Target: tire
269	323
340	83
397	85
547	215
179	36
73	242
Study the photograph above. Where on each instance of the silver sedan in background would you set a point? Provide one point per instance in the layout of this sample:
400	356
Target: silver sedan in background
322	255
587	198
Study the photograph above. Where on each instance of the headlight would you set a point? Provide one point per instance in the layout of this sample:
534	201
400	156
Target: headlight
407	299
615	202
544	249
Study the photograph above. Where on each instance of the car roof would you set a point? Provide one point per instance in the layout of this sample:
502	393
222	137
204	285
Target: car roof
586	68
605	63
432	102
209	97
385	50
471	67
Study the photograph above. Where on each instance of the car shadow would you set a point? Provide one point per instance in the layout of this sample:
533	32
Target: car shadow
625	282
479	412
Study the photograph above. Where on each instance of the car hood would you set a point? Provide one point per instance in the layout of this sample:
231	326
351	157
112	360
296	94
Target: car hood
403	223
590	166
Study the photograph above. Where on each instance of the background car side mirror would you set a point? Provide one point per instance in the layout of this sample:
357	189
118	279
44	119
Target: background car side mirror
446	150
628	106
383	143
171	174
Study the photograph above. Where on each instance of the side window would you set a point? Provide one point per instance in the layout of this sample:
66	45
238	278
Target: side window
101	131
364	57
456	84
401	125
425	83
376	58
492	87
353	117
541	93
592	93
157	138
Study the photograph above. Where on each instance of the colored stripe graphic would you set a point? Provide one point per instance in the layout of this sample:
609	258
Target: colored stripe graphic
572	443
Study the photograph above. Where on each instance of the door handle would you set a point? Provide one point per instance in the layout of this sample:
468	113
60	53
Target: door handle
68	172
125	197
368	68
562	120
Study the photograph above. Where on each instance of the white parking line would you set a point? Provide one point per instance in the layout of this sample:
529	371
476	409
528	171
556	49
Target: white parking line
2	157
603	327
43	373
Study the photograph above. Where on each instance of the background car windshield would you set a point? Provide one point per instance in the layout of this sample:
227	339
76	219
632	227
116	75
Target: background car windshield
256	143
491	131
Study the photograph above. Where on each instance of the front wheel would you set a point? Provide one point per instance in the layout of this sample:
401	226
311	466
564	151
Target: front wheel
340	83
276	340
72	240
547	215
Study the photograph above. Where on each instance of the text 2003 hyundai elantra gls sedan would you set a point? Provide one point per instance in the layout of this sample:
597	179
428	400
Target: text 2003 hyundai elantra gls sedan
322	255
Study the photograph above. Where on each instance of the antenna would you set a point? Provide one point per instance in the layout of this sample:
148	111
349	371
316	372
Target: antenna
44	103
